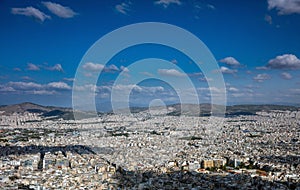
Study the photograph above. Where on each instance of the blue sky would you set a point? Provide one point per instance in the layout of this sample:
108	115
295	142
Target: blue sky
256	45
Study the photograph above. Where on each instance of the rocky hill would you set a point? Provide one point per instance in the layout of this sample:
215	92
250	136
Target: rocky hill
53	112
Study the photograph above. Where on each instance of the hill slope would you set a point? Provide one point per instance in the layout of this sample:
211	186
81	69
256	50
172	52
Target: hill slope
176	110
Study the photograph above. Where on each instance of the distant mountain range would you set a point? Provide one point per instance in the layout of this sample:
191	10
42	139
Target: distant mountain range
30	107
206	109
52	112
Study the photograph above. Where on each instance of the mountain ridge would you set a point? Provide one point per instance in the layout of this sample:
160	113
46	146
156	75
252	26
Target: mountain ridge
176	109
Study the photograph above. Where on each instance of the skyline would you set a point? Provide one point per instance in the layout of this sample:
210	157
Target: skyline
256	45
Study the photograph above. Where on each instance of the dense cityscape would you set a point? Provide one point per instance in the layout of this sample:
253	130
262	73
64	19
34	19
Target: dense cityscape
151	150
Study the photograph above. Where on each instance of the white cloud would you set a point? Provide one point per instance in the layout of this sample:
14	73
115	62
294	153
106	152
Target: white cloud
208	89
251	86
146	74
56	67
59	85
295	91
43	92
199	7
226	70
153	89
59	10
31	12
206	79
88	87
26	78
211	92
170	72
121	89
261	77
286	61
124	88
32	67
286	76
34	88
111	68
249	90
103	95
239	95
24	85
93	66
166	3
285	7
138	94
123	8
197	74
262	68
96	67
268	19
124	69
104	88
6	89
232	89
210	6
231	61
174	61
88	74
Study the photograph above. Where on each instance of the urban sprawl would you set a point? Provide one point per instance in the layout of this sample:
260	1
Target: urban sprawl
151	150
